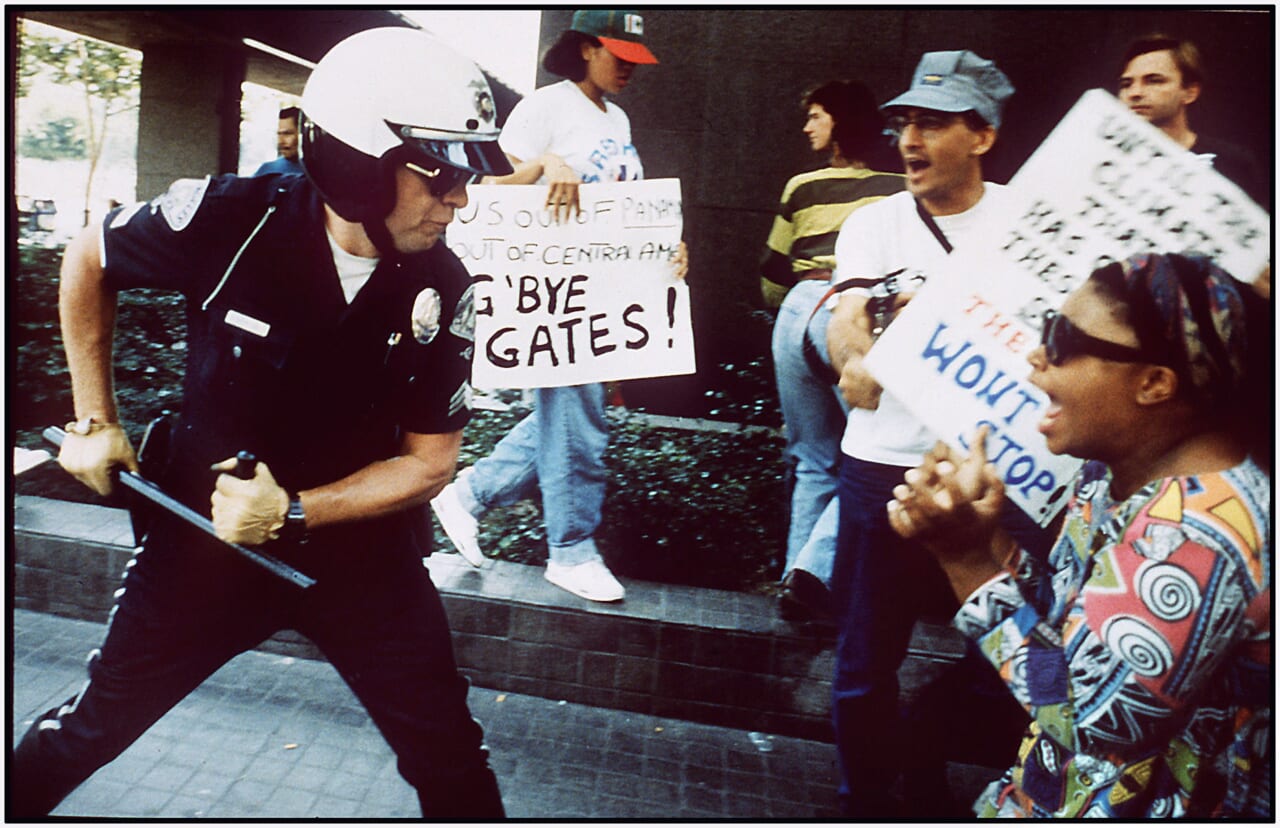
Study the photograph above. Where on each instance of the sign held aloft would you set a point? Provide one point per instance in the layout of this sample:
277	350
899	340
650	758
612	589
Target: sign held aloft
1105	185
590	300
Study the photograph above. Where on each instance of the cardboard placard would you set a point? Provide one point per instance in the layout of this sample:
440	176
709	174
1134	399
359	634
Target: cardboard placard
1103	186
589	300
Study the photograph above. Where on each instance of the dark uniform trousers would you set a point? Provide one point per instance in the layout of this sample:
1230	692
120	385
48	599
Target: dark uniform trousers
280	365
189	605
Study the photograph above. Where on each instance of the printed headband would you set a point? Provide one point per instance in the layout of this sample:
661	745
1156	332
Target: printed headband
1185	306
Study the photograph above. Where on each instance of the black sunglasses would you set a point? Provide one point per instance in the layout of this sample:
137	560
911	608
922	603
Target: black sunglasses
1063	340
444	179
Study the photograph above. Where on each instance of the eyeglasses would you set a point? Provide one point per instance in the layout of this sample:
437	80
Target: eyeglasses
444	179
929	122
1062	340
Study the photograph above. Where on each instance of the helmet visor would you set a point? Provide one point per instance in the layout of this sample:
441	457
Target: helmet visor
478	157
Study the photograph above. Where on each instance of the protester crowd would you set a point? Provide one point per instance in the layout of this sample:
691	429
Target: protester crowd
1134	632
1152	370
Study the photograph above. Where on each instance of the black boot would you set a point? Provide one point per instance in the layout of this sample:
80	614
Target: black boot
472	796
36	783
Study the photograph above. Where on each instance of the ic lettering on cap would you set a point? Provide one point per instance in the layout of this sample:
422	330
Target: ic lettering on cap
633	24
931	80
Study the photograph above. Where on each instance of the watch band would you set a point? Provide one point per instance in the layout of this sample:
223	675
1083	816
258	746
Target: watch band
295	521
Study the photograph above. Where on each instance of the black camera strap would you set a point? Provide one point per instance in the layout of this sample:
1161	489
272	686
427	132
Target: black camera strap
933	227
816	364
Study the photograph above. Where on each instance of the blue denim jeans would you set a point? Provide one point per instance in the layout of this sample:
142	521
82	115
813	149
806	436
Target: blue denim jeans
881	585
814	414
557	450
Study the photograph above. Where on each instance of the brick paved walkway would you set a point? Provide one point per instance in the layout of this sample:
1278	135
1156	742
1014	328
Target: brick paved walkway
273	736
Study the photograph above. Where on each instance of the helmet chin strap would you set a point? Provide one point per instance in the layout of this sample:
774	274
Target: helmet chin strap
375	227
376	230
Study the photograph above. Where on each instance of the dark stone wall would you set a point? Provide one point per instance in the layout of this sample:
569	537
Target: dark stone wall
721	113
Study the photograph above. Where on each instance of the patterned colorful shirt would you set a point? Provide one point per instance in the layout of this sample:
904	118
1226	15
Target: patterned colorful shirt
1142	653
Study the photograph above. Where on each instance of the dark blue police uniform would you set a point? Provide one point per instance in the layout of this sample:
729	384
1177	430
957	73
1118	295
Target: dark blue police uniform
279	364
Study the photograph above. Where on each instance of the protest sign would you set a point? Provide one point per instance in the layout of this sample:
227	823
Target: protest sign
1103	186
957	361
588	300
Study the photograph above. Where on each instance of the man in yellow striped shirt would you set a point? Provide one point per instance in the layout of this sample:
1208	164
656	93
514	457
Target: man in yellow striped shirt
843	121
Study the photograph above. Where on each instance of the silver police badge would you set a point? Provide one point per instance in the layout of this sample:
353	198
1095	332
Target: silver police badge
484	103
425	318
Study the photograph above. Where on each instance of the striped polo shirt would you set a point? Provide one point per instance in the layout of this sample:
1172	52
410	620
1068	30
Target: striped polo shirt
814	205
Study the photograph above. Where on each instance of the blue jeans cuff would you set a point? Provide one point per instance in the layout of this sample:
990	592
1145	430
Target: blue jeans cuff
465	495
572	554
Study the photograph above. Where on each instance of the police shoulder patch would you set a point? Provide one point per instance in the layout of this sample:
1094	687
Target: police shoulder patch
464	316
180	202
461	399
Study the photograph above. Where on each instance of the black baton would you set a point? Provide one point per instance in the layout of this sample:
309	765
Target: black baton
137	483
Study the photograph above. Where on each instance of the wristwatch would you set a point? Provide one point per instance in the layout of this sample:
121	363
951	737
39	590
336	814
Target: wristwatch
295	522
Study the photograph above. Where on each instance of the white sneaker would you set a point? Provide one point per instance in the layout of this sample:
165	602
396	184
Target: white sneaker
458	524
591	580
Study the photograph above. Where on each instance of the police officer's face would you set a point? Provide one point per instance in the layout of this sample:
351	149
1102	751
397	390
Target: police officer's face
419	218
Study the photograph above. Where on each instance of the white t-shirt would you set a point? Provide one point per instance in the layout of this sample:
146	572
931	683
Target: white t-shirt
874	242
561	119
353	270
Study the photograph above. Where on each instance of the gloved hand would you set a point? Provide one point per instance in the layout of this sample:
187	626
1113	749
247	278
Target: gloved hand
91	457
250	511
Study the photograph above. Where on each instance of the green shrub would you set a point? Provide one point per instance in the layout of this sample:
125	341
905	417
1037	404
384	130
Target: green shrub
698	508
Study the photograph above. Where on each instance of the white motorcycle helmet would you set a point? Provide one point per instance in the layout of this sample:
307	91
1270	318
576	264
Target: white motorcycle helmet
387	97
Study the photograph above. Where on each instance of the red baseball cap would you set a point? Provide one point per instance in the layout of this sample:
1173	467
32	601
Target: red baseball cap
621	31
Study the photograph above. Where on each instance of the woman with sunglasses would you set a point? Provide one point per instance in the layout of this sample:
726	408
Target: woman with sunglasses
1142	649
563	135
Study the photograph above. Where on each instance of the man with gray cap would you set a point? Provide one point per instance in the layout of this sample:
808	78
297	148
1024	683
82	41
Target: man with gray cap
944	125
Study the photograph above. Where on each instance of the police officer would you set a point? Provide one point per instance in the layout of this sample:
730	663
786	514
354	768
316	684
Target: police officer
330	335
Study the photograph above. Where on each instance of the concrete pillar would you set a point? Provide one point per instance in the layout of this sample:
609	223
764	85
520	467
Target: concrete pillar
189	119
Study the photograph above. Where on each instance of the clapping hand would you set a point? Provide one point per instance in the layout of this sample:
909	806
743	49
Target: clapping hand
950	503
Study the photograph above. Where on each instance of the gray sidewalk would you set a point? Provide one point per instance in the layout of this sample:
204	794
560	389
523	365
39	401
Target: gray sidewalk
272	736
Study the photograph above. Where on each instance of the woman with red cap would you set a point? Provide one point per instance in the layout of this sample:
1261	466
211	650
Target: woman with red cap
564	134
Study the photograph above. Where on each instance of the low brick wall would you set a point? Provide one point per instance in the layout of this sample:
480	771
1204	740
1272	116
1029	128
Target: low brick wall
701	655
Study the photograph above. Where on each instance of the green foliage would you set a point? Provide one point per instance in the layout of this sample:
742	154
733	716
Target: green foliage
53	140
150	349
697	508
106	72
109	78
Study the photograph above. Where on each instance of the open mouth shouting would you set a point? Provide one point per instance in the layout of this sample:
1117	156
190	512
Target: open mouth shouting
915	167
